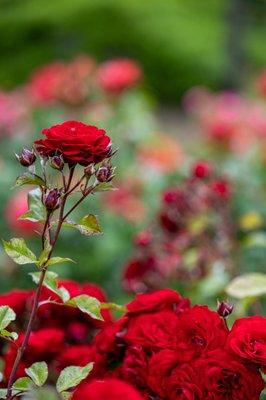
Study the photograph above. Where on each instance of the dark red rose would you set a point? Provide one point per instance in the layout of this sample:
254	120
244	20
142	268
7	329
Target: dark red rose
135	366
111	389
223	377
183	384
154	331
247	339
115	76
201	330
221	189
201	170
16	299
136	270
160	368
111	336
152	302
78	143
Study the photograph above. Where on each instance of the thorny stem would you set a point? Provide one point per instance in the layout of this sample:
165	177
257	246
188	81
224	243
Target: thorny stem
37	295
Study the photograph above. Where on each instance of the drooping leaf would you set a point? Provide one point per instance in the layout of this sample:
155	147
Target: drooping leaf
36	211
38	372
72	376
17	249
29	179
6	334
7	315
88	225
51	283
89	305
247	285
22	384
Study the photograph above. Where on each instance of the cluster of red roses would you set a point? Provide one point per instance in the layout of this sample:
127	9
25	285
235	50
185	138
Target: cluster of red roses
61	334
193	230
162	348
73	82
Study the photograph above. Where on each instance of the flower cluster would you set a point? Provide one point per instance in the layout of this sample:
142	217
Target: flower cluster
193	230
61	335
74	82
169	350
228	119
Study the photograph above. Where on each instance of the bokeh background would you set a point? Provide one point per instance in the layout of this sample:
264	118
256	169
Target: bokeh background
161	126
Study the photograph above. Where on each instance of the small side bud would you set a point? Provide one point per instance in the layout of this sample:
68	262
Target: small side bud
26	158
57	162
105	173
89	170
224	309
52	199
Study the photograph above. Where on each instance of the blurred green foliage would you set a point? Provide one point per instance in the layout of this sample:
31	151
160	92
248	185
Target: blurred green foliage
180	43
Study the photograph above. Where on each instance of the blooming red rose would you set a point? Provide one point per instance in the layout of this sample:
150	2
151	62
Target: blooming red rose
221	189
135	366
78	143
154	331
247	339
111	389
115	76
107	340
160	368
183	384
223	377
155	301
201	330
201	170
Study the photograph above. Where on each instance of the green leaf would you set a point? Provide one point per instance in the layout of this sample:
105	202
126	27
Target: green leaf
104	187
22	384
88	225
7	315
66	395
6	334
51	283
38	372
29	179
37	211
248	285
72	376
3	393
58	260
44	254
89	305
17	249
114	306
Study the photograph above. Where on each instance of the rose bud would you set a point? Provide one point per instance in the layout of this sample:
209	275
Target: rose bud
224	309
52	199
26	158
57	162
105	173
201	170
89	170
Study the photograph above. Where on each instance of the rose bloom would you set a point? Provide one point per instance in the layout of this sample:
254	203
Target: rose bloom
111	389
15	207
223	377
116	76
247	339
183	384
78	143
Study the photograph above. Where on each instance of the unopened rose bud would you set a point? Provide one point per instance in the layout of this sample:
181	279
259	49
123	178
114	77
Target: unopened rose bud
26	158
89	170
57	162
52	199
224	309
105	173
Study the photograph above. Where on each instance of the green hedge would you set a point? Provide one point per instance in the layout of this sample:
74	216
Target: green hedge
180	43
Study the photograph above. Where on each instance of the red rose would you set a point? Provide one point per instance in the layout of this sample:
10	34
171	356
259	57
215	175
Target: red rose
247	339
201	170
160	369
16	299
109	337
201	330
154	331
183	384
221	189
78	143
111	389
115	76
158	300
135	366
223	377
